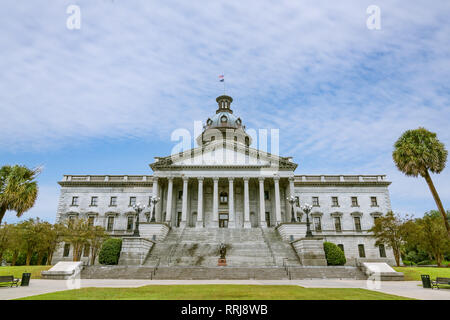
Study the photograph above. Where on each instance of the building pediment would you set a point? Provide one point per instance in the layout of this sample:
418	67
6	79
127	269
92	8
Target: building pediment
219	154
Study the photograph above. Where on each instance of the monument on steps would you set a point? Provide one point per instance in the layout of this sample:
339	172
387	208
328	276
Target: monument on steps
223	251
225	190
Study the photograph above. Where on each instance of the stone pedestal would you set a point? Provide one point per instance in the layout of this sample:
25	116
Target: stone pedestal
155	231
134	250
290	231
222	262
310	251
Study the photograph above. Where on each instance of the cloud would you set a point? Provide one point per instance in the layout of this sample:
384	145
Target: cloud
339	93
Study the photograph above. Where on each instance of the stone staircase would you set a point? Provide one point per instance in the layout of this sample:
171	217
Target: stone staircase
222	273
198	247
329	272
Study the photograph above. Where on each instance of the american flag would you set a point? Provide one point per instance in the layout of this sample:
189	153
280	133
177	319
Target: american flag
221	78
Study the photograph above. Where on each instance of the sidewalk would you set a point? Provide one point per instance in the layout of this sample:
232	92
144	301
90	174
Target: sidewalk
408	289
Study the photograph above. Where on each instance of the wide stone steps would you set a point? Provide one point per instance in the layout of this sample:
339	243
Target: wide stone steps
329	272
224	273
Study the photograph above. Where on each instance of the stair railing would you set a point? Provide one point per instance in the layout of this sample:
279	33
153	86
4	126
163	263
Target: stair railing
174	248
269	246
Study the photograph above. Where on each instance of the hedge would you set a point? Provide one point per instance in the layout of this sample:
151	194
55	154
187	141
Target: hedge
334	255
110	251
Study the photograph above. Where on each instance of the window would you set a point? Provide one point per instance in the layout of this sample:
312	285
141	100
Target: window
317	224
180	195
86	249
341	246
357	223
132	201
315	201
94	201
266	195
375	219
130	223
74	201
66	250
355	202
71	220
223	197
362	253
334	201
90	221
373	201
382	251
110	223
337	224
113	202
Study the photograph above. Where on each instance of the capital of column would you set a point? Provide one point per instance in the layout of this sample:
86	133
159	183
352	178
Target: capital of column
200	179
215	179
261	179
230	179
291	179
155	179
246	179
276	178
170	178
185	178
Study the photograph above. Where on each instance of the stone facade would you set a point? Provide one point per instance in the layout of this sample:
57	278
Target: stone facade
224	183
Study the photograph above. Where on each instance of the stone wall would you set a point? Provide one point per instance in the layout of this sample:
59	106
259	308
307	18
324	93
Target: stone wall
134	250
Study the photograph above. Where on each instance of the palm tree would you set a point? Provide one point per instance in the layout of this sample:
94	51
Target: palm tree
18	189
417	152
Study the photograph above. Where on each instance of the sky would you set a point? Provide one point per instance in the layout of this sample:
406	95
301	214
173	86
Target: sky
105	98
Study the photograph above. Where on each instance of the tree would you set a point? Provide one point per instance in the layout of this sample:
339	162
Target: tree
32	236
77	234
53	239
18	189
97	235
5	232
429	234
16	242
389	230
418	152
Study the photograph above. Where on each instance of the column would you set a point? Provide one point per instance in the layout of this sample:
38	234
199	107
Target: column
276	181
155	192
262	203
231	203
169	200
216	201
291	194
200	203
247	223
184	204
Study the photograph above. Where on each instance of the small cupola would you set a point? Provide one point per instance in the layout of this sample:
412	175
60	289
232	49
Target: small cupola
224	103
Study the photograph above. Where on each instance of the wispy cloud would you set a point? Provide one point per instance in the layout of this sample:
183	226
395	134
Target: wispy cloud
339	93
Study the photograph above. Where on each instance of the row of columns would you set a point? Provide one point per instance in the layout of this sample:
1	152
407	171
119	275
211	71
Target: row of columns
247	223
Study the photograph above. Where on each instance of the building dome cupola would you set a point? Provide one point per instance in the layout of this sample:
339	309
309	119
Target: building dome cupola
224	103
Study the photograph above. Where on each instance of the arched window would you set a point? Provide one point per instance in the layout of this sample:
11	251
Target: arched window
223	197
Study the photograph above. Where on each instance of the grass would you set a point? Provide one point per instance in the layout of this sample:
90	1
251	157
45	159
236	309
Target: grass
413	273
18	270
216	292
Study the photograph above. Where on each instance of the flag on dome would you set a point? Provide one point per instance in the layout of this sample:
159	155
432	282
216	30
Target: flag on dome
221	78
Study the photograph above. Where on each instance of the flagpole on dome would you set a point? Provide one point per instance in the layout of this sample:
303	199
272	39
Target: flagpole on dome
222	79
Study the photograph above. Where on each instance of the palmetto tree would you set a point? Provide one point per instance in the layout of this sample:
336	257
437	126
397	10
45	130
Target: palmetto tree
417	152
18	189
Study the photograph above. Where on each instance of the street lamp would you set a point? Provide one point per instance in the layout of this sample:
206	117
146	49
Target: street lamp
292	200
307	209
154	201
138	207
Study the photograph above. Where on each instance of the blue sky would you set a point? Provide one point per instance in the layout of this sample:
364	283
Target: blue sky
105	99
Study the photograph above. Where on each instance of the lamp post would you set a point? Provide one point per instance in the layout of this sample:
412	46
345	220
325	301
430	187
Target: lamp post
154	201
138	207
307	209
291	200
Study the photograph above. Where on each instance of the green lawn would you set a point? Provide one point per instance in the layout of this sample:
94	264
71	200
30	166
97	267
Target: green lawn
216	292
17	271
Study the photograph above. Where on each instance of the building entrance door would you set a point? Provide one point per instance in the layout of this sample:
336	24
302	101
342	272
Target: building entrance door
178	219
223	220
268	219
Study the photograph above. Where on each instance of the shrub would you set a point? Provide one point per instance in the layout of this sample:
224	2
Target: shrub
408	263
425	263
334	255
110	251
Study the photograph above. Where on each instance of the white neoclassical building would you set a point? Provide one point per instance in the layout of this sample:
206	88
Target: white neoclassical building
226	184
